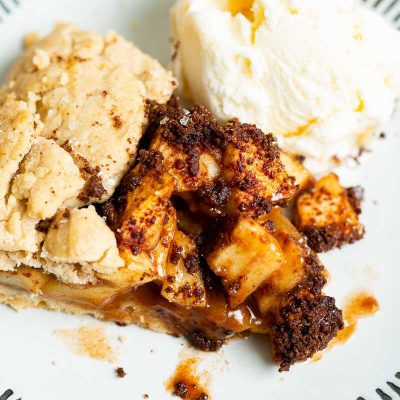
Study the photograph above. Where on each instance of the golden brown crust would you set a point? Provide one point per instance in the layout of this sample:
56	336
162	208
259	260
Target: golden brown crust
141	305
19	299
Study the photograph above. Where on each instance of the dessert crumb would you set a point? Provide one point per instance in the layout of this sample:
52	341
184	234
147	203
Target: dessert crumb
146	396
382	135
120	372
121	339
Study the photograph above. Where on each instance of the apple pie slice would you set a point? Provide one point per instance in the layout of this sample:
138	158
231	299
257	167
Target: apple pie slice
187	238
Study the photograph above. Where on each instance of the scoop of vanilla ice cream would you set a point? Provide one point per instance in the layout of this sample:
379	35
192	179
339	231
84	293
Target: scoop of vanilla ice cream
322	75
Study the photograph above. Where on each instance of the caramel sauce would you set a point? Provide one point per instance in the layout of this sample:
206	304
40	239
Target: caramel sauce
302	129
360	306
216	318
246	7
137	304
241	7
185	382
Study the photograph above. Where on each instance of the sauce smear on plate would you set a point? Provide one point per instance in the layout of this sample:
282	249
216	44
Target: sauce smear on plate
185	383
360	306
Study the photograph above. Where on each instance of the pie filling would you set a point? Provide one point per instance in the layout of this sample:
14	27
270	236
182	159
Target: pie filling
206	327
208	251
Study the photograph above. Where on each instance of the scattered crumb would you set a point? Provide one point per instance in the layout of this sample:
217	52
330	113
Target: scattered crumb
382	135
145	396
53	363
120	372
88	341
121	339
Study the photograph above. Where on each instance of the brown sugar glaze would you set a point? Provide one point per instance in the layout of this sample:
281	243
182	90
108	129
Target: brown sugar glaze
185	382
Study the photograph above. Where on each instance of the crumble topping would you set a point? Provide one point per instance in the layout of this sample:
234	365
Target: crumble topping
47	180
72	111
306	325
70	239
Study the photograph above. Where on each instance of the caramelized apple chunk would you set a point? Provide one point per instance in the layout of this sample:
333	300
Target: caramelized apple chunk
228	169
183	283
245	256
190	171
145	215
159	255
297	255
326	216
146	209
139	270
96	295
252	167
188	142
297	170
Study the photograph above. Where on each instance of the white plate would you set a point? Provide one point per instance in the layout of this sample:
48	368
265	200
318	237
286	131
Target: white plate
36	365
